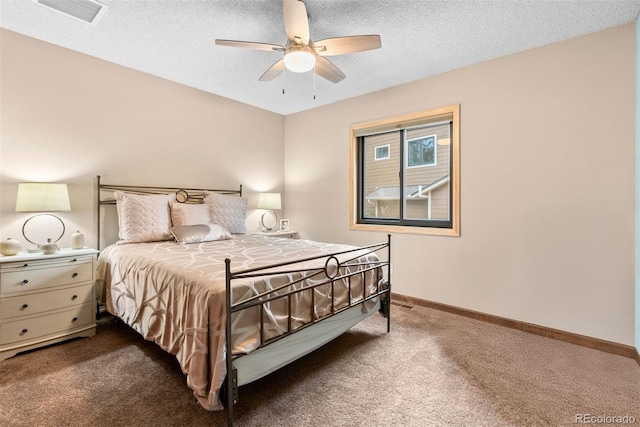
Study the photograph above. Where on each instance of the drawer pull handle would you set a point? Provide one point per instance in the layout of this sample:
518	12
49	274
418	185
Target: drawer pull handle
74	319
24	282
24	306
74	260
74	275
24	331
74	297
26	265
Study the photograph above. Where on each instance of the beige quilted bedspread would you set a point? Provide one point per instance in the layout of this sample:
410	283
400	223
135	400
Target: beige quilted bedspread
174	295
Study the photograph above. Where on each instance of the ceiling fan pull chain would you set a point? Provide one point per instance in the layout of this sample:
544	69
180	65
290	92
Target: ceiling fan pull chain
314	81
283	73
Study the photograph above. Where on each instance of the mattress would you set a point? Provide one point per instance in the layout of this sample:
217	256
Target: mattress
175	296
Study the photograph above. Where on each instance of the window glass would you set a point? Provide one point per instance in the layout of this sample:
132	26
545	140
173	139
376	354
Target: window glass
421	151
416	188
381	179
382	152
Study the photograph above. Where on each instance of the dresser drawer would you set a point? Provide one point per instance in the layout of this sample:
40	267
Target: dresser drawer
37	327
25	305
27	277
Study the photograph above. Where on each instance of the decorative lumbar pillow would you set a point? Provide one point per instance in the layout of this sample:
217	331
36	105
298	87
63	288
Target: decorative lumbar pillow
199	233
143	218
228	211
189	214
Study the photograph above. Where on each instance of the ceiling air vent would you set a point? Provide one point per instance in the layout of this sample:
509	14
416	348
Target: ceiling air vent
84	10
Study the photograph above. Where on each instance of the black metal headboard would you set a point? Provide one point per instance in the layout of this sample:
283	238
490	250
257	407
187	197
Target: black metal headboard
183	195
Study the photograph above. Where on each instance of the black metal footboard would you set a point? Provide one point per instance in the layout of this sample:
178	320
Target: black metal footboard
332	272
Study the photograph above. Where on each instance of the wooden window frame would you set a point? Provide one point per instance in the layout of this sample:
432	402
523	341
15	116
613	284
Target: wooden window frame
397	123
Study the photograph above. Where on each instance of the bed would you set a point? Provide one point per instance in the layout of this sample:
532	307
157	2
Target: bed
231	306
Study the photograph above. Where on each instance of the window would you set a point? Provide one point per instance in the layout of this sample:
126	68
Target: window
416	190
382	152
421	151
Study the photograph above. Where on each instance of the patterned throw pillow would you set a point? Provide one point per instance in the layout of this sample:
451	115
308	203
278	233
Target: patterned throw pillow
199	233
143	218
189	214
228	211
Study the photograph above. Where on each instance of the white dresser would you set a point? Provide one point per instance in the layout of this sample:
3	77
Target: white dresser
46	299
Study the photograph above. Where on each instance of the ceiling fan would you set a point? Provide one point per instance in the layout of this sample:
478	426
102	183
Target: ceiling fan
301	54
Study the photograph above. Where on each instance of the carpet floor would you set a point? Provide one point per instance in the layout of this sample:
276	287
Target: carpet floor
433	369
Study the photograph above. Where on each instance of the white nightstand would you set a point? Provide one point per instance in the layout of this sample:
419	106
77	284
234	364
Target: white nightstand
289	234
46	299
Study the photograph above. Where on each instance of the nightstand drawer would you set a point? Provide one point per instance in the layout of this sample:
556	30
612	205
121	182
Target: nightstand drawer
36	303
32	276
36	327
288	234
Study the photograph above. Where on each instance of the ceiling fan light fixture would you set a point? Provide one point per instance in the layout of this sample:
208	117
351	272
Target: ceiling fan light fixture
299	60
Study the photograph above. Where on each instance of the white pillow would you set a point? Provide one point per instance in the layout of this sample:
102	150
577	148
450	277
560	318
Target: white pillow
199	233
143	218
189	214
228	211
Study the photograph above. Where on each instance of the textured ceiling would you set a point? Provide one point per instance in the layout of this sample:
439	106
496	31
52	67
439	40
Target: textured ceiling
174	39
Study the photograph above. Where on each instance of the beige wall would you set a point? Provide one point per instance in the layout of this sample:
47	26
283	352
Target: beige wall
548	196
68	117
547	185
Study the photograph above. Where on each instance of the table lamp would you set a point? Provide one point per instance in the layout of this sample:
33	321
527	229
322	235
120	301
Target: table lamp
42	197
270	202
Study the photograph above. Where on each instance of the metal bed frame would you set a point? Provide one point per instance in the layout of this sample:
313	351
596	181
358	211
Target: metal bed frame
333	270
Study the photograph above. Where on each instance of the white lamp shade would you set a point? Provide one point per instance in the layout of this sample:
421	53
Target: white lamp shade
269	201
42	197
299	60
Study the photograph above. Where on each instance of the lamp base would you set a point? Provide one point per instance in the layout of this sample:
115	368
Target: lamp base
268	221
40	227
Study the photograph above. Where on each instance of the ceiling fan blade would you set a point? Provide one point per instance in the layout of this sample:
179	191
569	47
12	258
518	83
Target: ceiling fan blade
249	45
296	22
349	44
273	71
325	69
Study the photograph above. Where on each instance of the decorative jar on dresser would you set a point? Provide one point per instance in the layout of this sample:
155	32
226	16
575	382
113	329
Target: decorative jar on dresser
45	299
